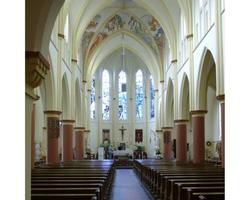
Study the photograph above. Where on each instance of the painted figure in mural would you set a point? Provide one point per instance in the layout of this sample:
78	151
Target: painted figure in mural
100	37
115	23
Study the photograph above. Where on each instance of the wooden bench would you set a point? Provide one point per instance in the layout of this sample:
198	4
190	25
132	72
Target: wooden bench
92	179
187	192
63	196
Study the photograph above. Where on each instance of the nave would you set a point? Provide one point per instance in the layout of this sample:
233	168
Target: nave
149	179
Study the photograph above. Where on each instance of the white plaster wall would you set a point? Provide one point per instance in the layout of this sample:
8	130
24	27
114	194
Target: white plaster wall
212	129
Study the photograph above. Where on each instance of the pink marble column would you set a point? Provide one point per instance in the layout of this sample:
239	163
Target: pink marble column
221	98
181	140
198	129
52	136
167	131
67	148
79	142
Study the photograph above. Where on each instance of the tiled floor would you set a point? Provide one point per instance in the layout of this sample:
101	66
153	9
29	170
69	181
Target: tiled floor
126	186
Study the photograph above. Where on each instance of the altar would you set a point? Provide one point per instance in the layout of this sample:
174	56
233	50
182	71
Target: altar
126	152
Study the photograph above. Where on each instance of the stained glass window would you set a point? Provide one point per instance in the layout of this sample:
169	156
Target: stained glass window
139	94
93	99
152	98
105	95
122	96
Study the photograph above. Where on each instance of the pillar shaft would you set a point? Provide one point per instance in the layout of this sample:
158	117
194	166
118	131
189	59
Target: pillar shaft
181	139
67	152
52	136
222	134
198	129
167	144
79	143
221	98
33	135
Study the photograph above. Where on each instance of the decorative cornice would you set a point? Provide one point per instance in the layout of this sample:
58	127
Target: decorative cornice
60	35
174	61
159	130
52	112
189	36
87	131
74	60
221	97
36	67
198	112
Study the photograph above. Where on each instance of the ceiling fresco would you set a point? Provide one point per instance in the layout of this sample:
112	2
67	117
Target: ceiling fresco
112	20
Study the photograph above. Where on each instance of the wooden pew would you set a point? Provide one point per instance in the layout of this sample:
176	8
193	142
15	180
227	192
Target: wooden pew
208	196
187	192
63	196
79	178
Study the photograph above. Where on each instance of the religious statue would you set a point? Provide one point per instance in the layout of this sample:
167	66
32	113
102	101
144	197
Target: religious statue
122	129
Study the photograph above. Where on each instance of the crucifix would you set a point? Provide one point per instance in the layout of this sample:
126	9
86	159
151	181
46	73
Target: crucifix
122	129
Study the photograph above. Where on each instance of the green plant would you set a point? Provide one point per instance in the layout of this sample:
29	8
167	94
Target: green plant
88	151
158	151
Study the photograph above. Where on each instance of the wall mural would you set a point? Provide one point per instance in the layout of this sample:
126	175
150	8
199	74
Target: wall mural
142	24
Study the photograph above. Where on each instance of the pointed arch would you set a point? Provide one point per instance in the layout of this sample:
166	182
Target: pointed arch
184	98
78	109
169	106
65	97
207	68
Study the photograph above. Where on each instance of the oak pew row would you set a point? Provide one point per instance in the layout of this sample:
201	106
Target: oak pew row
160	177
62	181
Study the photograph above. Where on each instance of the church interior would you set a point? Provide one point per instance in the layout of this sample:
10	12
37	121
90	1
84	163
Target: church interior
124	88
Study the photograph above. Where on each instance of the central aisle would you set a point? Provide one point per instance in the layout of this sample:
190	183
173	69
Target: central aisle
126	186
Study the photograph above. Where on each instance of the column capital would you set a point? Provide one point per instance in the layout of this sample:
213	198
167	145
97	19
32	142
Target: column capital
36	68
67	121
61	36
221	97
79	128
181	121
74	60
52	113
167	128
198	112
174	61
189	36
87	131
